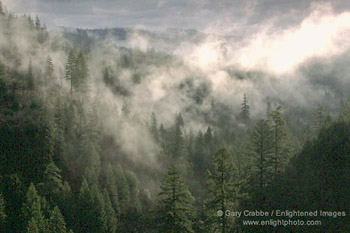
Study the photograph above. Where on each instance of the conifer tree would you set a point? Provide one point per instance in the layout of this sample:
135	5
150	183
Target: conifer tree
154	127
178	146
278	125
175	202
92	211
123	189
71	69
98	219
223	192
321	120
81	74
261	141
33	212
111	217
111	187
49	67
245	112
52	186
56	221
133	183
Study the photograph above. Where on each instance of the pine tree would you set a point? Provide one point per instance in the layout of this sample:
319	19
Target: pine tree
175	202
123	189
261	141
92	208
111	186
245	113
178	145
154	127
52	186
56	222
71	69
223	192
81	74
111	217
33	212
49	67
278	125
98	220
133	183
321	120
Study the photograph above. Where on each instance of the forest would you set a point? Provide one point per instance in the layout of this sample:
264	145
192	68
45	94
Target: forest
97	137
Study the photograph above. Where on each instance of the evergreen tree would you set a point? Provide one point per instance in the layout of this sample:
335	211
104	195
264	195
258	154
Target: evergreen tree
154	127
245	112
71	69
111	217
52	186
33	212
123	189
261	141
321	120
278	125
49	67
223	192
111	186
98	219
56	222
92	209
80	74
133	183
175	202
178	146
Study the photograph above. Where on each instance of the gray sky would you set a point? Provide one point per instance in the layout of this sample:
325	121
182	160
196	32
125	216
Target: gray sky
221	16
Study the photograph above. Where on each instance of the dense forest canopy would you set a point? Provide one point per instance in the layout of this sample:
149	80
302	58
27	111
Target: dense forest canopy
100	137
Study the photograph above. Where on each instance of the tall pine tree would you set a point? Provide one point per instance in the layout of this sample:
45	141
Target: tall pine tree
223	192
175	202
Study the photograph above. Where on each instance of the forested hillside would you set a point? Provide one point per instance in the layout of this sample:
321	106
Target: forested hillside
95	137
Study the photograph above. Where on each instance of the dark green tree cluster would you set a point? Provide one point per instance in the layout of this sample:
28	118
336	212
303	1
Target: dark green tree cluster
61	172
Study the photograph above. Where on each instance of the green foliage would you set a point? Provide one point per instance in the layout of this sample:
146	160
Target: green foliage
91	209
223	192
56	222
123	188
177	144
52	186
33	212
49	68
175	203
154	127
111	217
261	148
279	131
245	112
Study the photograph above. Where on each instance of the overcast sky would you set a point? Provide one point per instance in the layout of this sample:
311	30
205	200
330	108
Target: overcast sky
220	16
